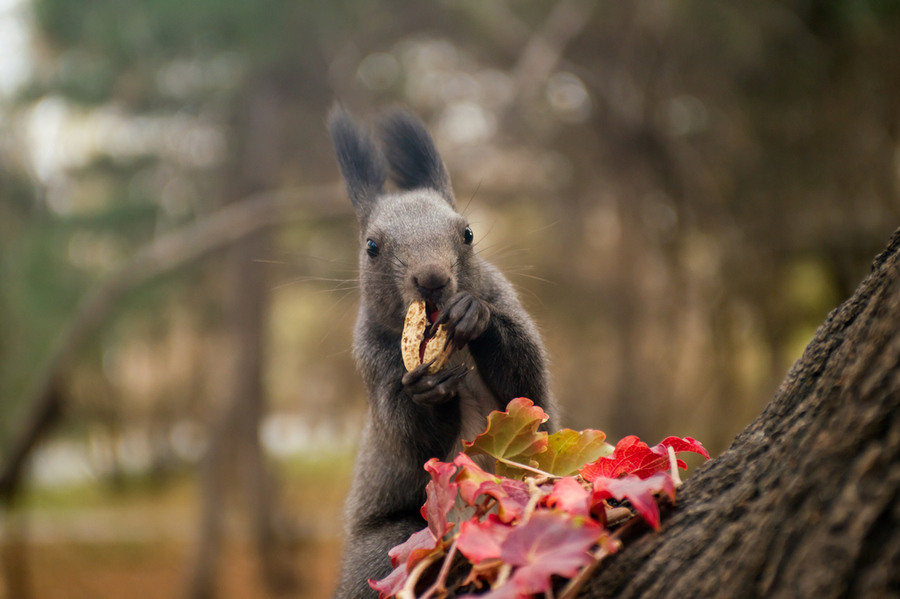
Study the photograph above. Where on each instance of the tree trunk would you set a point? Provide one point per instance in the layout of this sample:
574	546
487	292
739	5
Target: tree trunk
234	451
806	502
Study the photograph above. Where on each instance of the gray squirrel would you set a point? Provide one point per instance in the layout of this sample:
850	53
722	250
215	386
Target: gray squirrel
414	246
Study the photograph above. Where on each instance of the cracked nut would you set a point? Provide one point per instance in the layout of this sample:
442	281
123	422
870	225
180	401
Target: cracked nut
418	349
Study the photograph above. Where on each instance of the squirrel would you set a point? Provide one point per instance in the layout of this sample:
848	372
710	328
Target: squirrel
414	246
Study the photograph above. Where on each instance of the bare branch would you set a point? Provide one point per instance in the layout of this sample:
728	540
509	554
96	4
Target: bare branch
164	255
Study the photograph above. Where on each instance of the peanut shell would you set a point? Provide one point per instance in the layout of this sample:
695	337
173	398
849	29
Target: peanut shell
414	332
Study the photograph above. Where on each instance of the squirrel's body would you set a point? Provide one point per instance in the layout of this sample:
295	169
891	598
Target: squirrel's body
415	246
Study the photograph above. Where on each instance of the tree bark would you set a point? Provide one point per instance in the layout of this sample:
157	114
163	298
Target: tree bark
806	501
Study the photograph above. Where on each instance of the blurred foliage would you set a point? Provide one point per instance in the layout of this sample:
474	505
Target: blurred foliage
681	195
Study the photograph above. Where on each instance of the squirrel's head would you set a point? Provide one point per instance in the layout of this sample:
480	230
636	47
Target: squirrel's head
414	245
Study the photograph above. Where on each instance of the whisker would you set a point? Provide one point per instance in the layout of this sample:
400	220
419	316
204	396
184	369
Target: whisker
544	228
508	252
483	237
521	274
474	193
339	318
303	255
531	293
309	279
336	289
502	246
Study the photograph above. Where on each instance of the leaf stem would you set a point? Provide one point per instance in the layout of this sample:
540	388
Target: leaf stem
535	495
502	576
409	587
439	584
524	467
673	465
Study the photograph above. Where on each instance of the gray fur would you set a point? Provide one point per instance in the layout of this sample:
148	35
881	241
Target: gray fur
362	164
414	161
414	416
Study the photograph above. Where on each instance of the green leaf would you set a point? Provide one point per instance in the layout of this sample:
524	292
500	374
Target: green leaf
568	451
512	436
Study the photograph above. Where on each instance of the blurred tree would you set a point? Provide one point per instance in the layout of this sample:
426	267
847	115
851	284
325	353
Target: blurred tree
217	70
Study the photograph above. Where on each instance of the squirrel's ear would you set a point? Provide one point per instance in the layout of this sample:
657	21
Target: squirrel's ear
414	161
362	164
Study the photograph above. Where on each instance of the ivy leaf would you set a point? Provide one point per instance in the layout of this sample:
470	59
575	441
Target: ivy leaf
633	456
686	444
640	492
470	478
411	551
511	495
550	543
512	436
569	496
506	591
630	453
404	558
480	541
391	584
569	450
440	496
557	537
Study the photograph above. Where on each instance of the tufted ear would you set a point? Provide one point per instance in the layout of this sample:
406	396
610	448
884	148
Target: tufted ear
413	159
361	162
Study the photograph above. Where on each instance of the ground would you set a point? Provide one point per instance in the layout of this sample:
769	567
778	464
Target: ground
93	541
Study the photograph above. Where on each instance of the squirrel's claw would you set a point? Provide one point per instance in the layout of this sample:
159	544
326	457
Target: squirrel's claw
433	389
465	317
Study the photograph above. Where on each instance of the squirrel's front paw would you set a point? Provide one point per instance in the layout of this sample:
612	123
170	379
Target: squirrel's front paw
433	389
465	317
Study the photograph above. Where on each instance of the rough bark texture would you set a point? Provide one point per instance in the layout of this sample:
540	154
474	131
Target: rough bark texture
806	501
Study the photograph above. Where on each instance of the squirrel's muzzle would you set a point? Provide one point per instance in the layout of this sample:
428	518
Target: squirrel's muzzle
431	281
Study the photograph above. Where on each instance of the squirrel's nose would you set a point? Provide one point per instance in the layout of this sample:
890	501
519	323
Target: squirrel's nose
430	282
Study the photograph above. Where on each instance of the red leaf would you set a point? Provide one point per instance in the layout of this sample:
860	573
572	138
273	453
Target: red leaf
440	496
479	541
625	459
549	543
403	558
511	495
686	444
470	478
633	456
417	546
568	495
506	591
391	584
640	492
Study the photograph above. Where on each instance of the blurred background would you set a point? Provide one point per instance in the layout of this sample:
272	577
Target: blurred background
681	191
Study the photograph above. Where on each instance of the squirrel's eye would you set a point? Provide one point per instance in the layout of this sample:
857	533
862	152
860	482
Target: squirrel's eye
468	236
371	248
